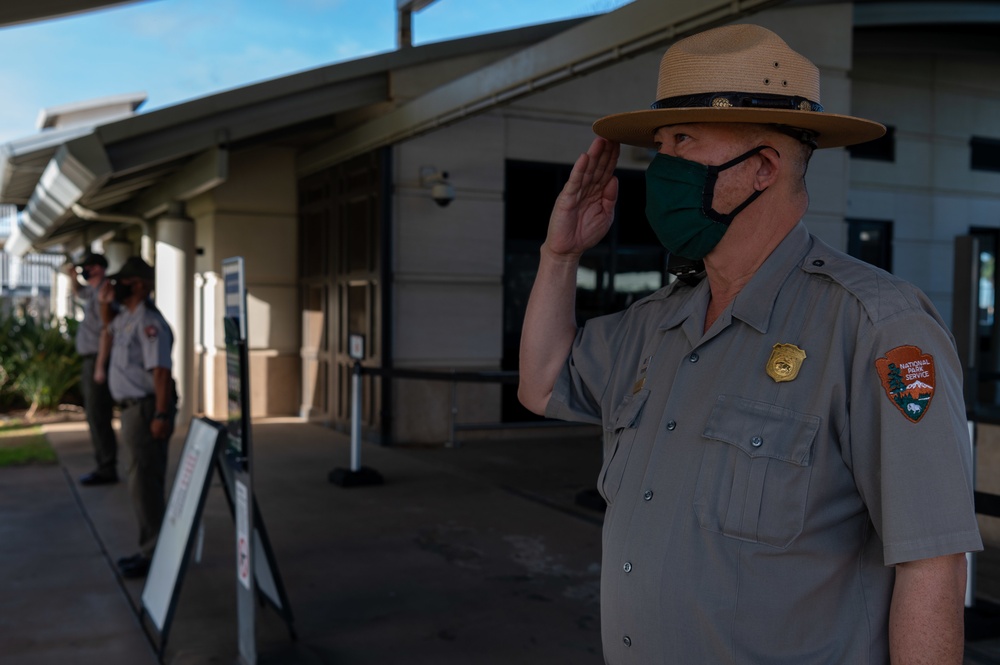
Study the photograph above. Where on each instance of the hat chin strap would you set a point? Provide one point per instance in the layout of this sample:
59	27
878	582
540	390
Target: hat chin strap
804	136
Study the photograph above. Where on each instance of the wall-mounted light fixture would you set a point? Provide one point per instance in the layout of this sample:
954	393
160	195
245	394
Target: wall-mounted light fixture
437	181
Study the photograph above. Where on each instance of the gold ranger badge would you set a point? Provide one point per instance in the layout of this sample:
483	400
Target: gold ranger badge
785	362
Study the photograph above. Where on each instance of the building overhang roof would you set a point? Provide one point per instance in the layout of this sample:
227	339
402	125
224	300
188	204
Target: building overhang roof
137	164
15	12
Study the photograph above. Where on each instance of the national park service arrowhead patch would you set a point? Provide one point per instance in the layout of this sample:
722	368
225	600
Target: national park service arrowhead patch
907	375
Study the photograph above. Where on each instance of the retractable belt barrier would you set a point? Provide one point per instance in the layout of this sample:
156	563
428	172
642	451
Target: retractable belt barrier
360	475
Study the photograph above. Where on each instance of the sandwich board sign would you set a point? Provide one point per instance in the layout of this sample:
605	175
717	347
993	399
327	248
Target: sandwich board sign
173	547
204	450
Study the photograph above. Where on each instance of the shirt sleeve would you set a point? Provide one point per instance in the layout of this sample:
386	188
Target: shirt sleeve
909	439
156	343
578	391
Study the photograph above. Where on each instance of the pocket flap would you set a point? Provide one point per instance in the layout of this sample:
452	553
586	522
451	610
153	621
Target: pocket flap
763	430
627	413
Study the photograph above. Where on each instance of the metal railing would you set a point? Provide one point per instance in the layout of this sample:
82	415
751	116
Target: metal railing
29	272
455	377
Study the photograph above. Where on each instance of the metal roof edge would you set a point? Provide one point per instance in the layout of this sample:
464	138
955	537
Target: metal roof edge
323	76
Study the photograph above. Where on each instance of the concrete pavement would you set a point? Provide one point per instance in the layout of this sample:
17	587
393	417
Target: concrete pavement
476	554
475	563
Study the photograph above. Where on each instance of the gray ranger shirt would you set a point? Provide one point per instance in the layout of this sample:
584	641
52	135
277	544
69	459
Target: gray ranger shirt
142	341
88	333
763	478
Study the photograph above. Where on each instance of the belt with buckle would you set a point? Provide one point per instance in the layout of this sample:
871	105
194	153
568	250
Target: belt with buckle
129	402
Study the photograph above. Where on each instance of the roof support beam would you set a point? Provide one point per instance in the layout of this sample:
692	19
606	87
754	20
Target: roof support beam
206	171
628	31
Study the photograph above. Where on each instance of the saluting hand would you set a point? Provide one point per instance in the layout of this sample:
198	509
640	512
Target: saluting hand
585	208
106	295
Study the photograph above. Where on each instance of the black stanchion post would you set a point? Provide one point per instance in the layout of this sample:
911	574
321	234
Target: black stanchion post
357	475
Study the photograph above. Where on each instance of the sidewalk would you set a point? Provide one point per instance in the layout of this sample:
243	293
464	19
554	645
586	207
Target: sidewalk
439	565
475	554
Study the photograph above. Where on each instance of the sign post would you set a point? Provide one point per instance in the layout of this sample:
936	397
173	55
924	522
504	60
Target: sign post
239	450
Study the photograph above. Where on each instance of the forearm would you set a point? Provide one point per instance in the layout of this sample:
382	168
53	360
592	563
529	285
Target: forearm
926	620
549	328
103	353
107	312
163	388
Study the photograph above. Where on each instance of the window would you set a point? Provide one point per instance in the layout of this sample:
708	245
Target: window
985	154
871	241
881	149
986	389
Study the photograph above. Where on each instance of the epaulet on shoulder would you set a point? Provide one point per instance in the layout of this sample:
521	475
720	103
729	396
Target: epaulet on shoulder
882	294
663	292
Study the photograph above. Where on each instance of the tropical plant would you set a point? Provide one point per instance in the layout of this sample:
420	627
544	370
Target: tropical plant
40	364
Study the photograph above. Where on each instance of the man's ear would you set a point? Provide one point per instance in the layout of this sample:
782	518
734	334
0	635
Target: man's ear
769	167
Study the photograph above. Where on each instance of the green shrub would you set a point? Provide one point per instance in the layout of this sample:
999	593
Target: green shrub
39	361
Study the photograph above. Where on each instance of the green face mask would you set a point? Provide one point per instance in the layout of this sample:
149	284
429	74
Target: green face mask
679	197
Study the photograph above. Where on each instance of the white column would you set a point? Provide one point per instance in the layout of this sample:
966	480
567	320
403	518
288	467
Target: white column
175	250
61	300
213	342
117	252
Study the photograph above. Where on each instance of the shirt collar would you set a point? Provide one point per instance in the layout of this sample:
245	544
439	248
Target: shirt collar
694	305
754	304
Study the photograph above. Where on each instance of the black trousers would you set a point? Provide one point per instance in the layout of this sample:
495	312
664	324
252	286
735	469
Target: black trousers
98	404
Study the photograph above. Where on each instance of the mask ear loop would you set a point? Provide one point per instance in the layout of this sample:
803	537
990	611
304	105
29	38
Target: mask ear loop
713	175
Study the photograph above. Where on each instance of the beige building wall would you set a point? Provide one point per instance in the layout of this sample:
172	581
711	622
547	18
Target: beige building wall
253	215
448	276
937	102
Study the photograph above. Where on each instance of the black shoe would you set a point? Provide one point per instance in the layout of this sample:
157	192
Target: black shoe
98	478
135	568
129	560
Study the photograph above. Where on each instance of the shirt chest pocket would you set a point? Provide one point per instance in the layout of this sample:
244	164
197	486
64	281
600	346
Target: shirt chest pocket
755	471
618	441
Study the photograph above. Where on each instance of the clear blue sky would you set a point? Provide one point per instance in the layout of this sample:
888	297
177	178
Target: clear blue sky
180	49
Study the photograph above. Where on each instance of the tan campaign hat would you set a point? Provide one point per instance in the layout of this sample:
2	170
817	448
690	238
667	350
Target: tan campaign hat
737	73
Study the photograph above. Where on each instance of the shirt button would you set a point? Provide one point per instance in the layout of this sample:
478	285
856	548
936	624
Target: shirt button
756	442
671	425
627	567
693	357
647	495
818	263
627	641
